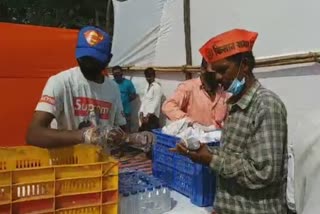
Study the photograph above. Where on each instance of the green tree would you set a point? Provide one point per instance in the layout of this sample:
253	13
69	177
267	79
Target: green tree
57	13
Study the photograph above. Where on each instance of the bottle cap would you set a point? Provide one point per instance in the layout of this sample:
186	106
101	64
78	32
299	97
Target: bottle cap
125	194
142	190
134	192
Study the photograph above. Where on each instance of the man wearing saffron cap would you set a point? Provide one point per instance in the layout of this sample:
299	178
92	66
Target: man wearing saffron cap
252	163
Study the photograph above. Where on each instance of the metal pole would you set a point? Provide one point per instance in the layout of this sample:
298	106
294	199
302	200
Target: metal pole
187	32
108	14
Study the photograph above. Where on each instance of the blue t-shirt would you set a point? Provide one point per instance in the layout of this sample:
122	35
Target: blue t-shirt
126	88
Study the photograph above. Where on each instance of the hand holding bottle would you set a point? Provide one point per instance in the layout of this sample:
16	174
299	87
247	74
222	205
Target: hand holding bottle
141	140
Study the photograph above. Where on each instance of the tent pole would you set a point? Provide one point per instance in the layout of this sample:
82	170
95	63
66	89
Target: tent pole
187	33
311	57
108	16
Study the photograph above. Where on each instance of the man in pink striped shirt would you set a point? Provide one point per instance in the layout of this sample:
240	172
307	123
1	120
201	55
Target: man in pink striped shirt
201	100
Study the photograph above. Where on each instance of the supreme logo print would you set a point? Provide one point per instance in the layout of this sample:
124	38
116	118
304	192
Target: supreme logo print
84	105
47	99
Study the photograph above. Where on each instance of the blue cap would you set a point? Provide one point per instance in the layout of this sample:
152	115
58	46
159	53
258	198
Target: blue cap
94	42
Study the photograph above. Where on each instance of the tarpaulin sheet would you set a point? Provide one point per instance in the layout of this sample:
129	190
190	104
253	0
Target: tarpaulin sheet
148	32
151	32
29	55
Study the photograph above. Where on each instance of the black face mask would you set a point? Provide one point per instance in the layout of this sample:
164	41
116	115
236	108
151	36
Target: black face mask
209	82
90	67
118	77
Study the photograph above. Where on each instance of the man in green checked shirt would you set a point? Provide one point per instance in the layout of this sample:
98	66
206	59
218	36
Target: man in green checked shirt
251	164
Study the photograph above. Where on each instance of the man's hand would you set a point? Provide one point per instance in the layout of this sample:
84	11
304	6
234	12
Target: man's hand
142	140
115	136
92	135
202	155
148	137
102	136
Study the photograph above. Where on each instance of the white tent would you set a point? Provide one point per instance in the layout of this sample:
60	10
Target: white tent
151	32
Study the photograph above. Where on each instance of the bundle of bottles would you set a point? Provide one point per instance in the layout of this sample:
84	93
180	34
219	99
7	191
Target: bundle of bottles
143	194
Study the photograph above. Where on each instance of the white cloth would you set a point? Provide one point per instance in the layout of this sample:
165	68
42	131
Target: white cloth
306	149
70	98
151	101
176	127
202	133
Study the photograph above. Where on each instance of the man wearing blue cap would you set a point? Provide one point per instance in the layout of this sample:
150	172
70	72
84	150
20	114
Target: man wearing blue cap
82	100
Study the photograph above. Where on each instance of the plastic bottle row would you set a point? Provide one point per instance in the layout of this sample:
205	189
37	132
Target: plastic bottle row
130	180
143	194
152	200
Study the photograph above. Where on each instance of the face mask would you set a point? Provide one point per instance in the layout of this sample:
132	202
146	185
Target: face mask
237	86
209	82
118	78
90	67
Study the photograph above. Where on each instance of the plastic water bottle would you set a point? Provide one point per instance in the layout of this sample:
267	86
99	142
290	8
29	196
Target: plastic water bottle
157	200
143	194
150	200
124	202
142	201
94	118
192	144
166	199
134	203
141	142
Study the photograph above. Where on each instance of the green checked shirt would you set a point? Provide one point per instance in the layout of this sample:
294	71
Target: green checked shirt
252	162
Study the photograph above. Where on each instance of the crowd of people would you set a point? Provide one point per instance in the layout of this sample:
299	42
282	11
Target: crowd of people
199	100
252	163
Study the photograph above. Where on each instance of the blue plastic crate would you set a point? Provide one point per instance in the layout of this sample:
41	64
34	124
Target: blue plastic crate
196	181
